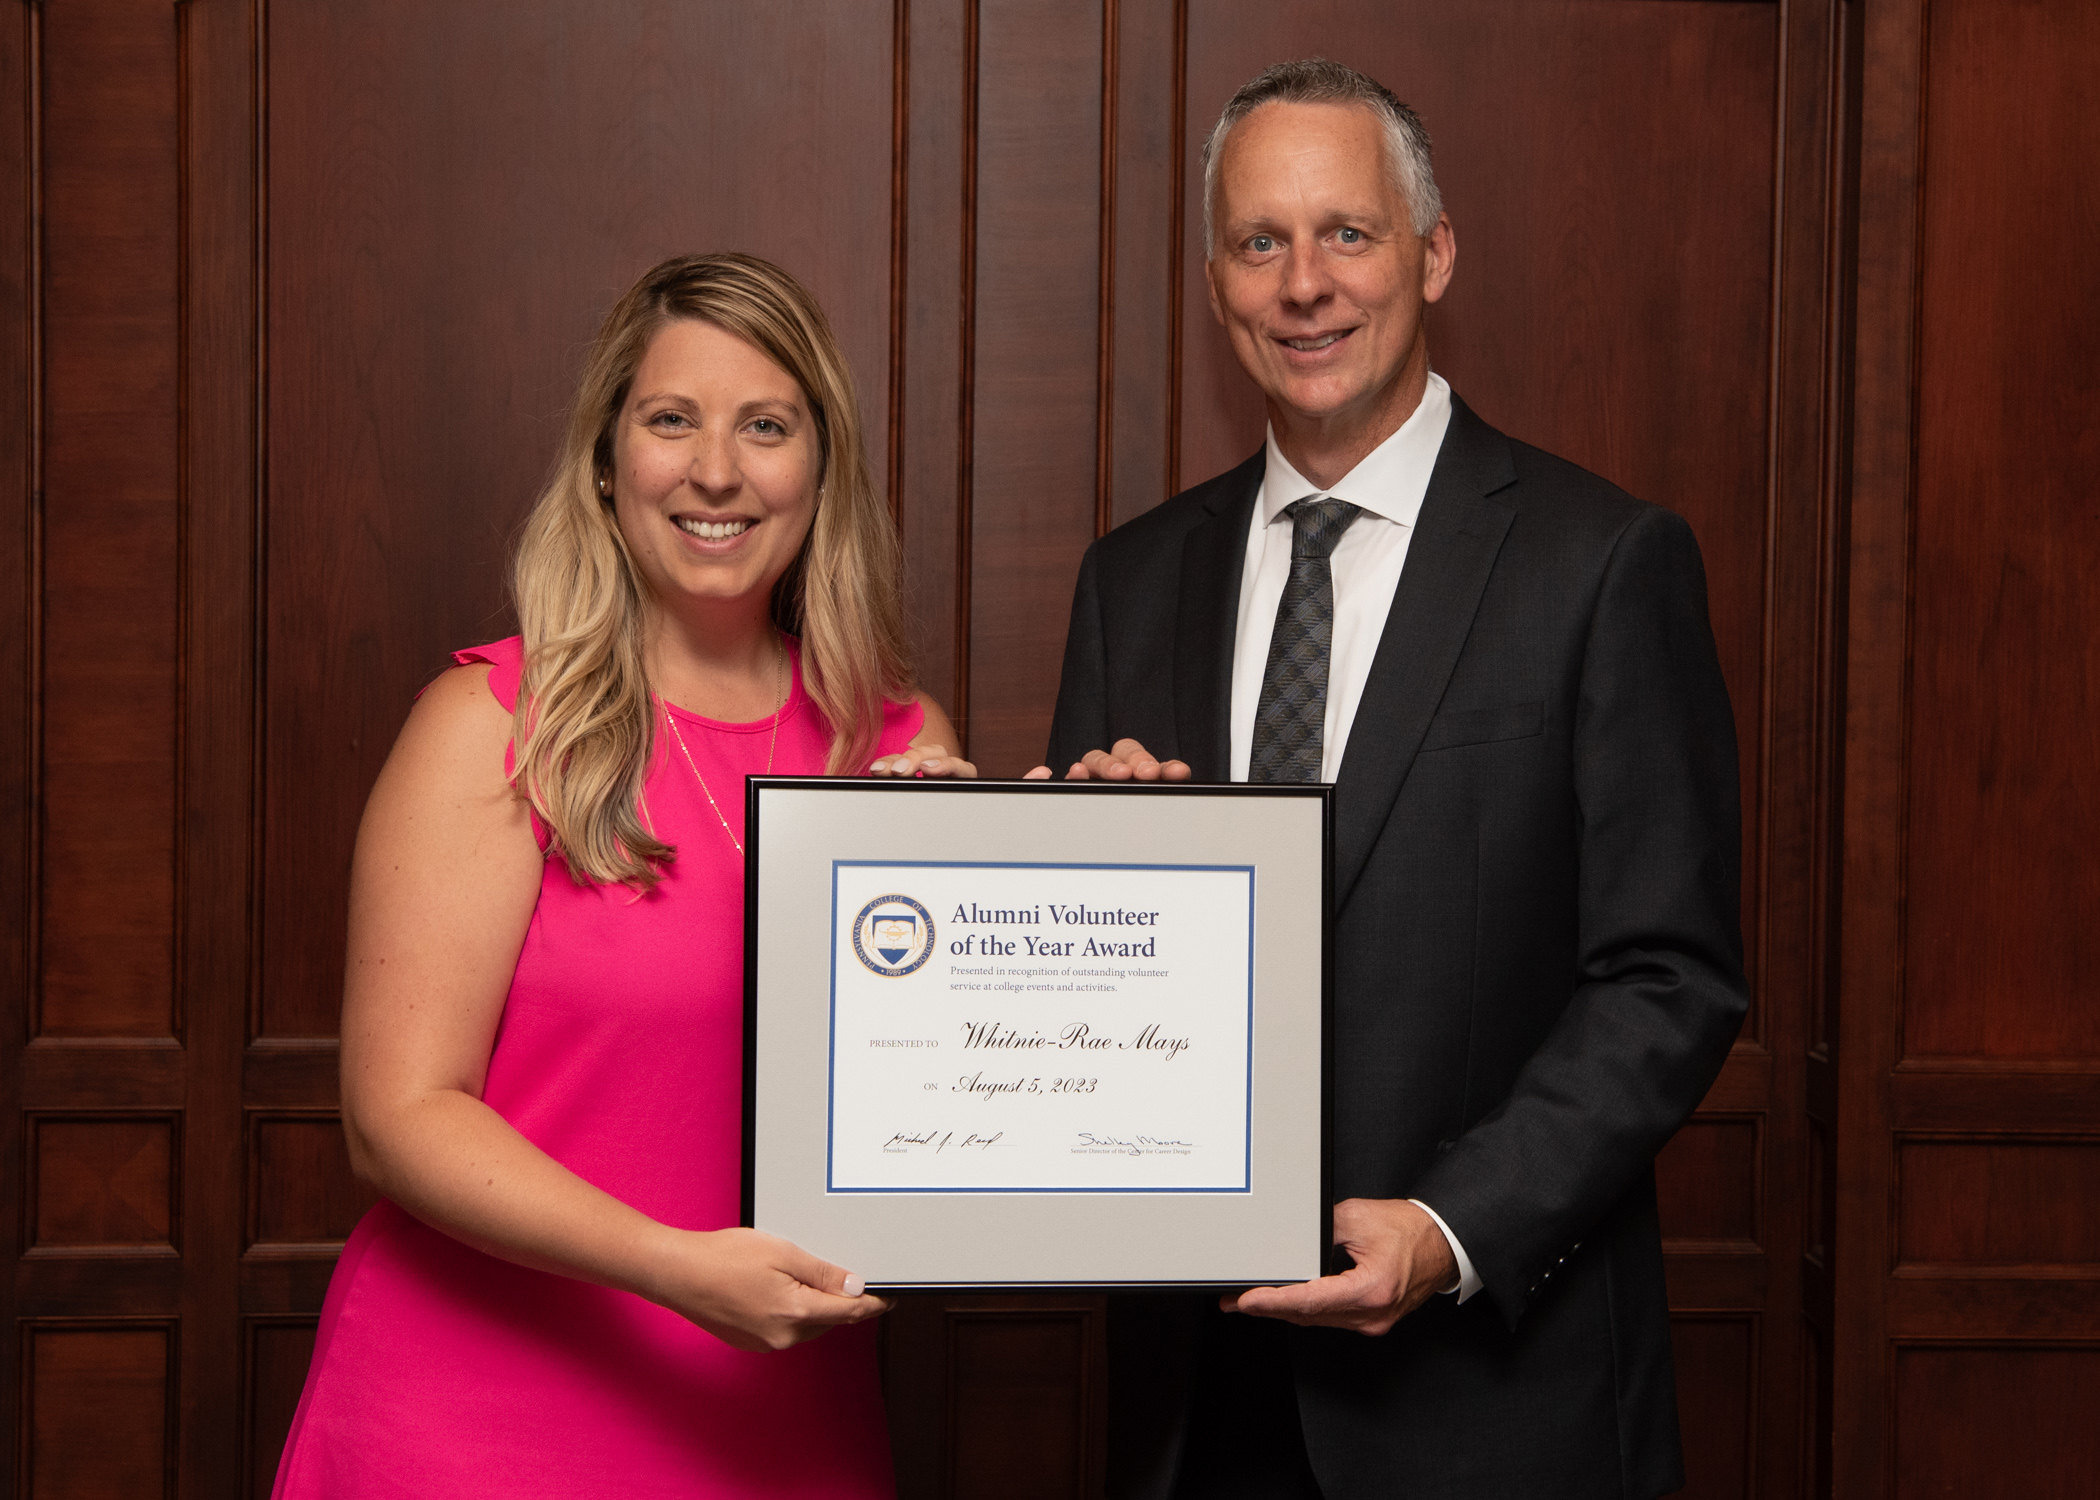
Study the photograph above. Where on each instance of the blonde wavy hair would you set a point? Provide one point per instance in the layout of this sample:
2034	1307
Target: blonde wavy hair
585	725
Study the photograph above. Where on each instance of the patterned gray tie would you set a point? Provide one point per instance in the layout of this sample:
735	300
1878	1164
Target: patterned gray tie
1291	715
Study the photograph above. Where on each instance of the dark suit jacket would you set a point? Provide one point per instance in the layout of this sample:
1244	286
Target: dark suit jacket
1538	953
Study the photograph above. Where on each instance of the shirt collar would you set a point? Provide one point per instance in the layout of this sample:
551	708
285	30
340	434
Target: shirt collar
1391	479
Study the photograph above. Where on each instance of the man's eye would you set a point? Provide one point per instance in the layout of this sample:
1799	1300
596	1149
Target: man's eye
1350	236
1261	244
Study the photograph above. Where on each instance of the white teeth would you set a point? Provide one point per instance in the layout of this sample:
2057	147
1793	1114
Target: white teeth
1308	345
713	531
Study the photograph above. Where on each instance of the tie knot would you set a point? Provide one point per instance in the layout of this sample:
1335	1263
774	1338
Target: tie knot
1317	525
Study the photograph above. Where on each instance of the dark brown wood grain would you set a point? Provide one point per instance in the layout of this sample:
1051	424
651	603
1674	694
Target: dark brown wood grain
223	256
98	1421
1999	1202
1972	1420
302	1196
1877	473
19	648
1713	1278
111	520
1717	1383
1019	1419
1967	1277
2028	1096
932	462
1707	1182
103	1182
1140	368
1037	280
2000	946
278	1352
98	1159
997	1396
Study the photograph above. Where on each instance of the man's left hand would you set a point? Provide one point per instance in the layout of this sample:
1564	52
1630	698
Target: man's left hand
1402	1260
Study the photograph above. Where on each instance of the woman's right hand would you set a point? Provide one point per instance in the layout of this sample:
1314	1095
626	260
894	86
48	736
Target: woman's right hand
756	1291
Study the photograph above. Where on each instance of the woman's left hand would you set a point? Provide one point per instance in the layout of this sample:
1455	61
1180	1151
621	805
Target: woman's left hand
923	760
928	754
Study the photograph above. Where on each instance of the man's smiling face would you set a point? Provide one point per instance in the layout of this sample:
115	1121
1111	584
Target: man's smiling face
1317	273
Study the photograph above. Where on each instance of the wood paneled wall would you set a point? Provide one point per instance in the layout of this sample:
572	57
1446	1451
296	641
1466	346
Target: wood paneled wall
297	293
1965	1065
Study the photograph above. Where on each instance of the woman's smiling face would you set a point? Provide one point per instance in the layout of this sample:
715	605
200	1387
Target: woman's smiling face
716	464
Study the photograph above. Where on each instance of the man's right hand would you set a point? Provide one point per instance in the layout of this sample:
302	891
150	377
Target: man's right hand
1129	761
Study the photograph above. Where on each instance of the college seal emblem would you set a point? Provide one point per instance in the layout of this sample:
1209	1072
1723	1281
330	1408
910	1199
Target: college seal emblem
893	935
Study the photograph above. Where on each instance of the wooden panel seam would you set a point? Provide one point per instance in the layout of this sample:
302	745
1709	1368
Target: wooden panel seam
33	624
1760	946
1105	296
259	533
178	853
1177	220
966	383
900	168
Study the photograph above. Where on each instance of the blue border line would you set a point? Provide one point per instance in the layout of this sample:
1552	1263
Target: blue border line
831	1070
832	1059
1247	1166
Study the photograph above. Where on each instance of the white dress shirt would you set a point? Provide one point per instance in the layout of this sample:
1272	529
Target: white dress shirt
1387	486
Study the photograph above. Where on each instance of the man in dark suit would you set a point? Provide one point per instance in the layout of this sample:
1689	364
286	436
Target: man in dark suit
1504	664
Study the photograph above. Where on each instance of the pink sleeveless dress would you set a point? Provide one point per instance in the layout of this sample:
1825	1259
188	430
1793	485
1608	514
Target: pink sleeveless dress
439	1370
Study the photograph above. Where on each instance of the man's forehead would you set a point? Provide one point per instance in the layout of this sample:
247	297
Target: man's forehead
1286	151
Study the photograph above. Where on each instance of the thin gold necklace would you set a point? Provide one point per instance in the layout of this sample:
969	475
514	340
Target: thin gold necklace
772	741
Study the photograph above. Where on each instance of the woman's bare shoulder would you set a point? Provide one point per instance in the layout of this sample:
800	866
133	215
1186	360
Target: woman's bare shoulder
447	769
458	724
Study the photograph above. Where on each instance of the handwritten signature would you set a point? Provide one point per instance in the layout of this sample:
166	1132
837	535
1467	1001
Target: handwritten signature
1137	1146
939	1140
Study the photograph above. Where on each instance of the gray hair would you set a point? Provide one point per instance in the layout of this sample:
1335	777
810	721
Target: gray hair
1315	80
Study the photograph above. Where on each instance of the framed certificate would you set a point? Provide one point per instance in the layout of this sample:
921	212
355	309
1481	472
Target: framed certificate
1038	1034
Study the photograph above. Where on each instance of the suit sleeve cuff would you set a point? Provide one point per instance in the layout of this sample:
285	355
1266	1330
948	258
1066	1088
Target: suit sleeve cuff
1468	1278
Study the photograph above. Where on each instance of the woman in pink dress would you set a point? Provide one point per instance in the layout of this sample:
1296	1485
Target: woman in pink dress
542	1023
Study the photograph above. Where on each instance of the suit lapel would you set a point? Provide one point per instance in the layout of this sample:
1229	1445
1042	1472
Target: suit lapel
1207	620
1457	536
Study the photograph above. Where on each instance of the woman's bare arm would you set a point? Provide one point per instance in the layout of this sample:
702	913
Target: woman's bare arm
441	891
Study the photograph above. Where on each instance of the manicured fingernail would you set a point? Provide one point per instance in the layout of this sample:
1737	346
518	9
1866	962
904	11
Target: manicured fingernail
854	1285
930	764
